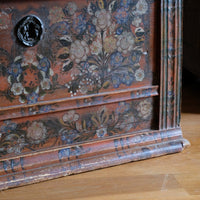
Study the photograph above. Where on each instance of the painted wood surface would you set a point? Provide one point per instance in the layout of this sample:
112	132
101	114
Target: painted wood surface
101	87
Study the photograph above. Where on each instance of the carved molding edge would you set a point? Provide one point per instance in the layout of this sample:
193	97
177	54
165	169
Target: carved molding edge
75	159
171	63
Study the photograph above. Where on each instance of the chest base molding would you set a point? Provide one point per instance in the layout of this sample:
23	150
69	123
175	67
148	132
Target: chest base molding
81	158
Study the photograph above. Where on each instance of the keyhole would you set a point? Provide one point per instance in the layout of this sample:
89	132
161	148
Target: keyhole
29	30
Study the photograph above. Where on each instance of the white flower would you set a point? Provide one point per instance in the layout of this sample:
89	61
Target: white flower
87	84
17	146
101	132
102	19
79	51
139	75
84	89
70	116
45	84
29	58
36	133
110	44
136	22
144	108
96	47
17	89
71	8
141	7
125	42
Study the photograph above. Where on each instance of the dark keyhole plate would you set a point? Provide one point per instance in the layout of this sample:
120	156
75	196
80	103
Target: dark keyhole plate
29	30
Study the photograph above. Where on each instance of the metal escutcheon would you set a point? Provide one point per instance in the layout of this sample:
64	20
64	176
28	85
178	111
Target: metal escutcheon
29	30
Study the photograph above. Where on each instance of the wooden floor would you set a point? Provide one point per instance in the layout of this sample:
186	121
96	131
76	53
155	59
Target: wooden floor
174	177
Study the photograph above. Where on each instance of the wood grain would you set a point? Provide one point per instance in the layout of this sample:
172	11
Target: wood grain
170	177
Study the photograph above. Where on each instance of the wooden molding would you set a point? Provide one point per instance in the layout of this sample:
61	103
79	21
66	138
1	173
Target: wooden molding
128	114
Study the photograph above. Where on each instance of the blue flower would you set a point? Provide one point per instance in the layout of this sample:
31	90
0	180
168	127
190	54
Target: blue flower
116	59
79	24
135	57
116	81
101	132
44	64
62	28
84	65
44	109
125	3
127	79
8	127
91	28
32	98
122	16
15	70
68	136
119	30
122	107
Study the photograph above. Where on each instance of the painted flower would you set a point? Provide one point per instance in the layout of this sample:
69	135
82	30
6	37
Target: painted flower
32	98
144	108
135	57
30	78
29	58
125	3
15	70
62	28
36	133
102	19
137	21
125	42
17	89
83	89
8	127
119	30
70	116
91	28
116	81
45	108
93	69
79	23
141	7
56	15
46	84
71	8
116	59
112	28
44	64
122	107
4	20
96	47
110	44
128	122
68	136
127	79
101	132
122	16
17	145
79	51
87	84
139	75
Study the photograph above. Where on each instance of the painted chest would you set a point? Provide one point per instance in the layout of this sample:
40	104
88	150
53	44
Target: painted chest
87	84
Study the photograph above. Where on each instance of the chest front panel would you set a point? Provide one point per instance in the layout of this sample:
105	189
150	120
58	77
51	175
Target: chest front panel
81	77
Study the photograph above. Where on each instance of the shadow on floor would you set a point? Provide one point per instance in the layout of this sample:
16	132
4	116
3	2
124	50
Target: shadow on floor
190	93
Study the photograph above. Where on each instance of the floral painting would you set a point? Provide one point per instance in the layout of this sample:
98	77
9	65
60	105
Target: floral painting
75	126
89	48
